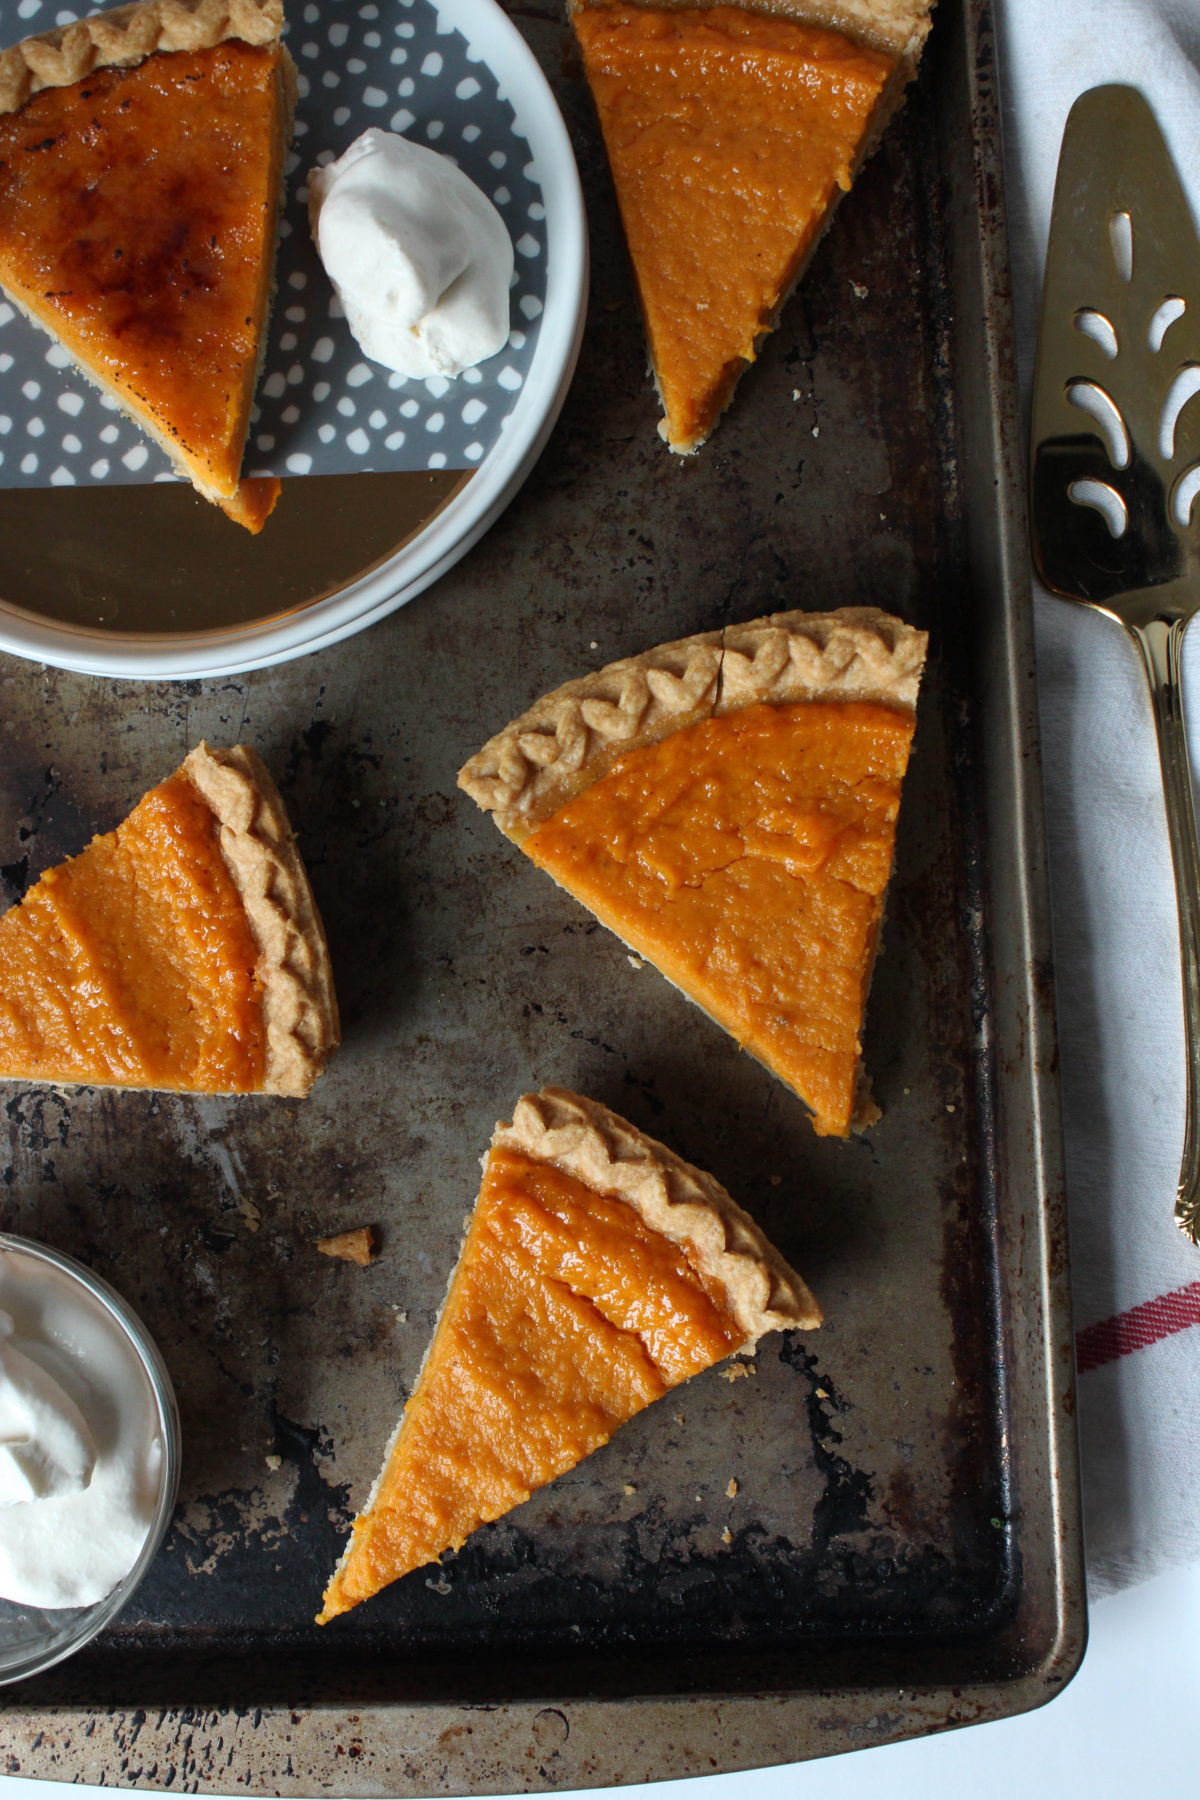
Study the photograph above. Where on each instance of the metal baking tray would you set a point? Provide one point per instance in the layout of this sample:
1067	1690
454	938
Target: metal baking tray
903	1550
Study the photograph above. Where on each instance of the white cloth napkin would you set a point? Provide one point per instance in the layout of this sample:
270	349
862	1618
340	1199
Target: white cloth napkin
1136	1279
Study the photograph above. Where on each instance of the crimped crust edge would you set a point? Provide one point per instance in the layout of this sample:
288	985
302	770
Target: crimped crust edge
569	738
259	846
126	35
690	1207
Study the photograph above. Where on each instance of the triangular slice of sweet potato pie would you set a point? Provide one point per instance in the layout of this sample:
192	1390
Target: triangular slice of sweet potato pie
727	805
181	951
141	163
599	1270
732	132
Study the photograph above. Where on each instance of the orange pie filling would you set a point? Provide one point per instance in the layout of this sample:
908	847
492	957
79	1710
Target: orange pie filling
747	856
729	134
137	223
567	1315
133	963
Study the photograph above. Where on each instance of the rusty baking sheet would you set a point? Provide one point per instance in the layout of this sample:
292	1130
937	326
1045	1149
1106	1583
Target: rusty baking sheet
902	1552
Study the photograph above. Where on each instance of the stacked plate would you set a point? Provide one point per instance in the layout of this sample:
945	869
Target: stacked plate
110	566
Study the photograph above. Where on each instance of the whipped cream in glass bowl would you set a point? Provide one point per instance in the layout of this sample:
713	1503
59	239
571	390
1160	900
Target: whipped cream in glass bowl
89	1455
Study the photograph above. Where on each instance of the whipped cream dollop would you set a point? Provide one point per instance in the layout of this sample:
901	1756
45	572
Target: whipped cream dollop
46	1449
81	1451
420	258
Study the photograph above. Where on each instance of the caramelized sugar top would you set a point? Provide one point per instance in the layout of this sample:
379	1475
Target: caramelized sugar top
136	221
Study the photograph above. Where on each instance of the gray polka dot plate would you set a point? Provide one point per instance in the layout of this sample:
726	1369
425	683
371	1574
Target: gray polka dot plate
111	566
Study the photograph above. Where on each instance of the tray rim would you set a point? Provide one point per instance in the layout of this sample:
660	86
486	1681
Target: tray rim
398	1748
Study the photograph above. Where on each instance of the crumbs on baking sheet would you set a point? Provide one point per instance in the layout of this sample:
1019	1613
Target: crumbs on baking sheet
356	1246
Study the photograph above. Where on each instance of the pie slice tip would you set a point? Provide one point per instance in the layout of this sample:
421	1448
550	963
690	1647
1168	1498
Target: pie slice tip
599	1270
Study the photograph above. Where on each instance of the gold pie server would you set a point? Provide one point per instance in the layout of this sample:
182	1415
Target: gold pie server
1115	463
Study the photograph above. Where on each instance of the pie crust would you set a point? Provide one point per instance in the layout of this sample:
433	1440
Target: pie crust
127	35
716	259
259	846
572	736
896	27
515	1388
726	805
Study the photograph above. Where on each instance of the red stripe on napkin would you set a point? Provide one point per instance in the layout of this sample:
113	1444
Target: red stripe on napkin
1135	1329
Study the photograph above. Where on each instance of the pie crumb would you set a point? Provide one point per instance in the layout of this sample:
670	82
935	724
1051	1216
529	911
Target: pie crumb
731	1489
735	1372
629	1488
727	1536
274	1462
350	1246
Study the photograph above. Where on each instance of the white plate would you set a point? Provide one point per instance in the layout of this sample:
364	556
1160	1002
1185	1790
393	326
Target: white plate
89	649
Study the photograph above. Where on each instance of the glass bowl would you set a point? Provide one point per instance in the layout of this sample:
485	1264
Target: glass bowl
34	1638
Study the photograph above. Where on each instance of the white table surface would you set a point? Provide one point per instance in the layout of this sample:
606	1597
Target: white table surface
1129	1724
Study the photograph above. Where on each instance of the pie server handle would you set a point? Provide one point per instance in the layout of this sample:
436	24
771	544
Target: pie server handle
1160	642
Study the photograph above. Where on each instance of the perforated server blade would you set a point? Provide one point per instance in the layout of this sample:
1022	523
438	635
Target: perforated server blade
1115	463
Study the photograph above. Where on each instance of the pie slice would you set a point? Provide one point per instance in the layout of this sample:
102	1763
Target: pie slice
181	951
599	1271
727	805
141	164
731	133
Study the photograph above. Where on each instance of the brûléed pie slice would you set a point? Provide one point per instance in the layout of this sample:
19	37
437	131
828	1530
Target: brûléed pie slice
731	133
599	1270
141	166
727	805
181	951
